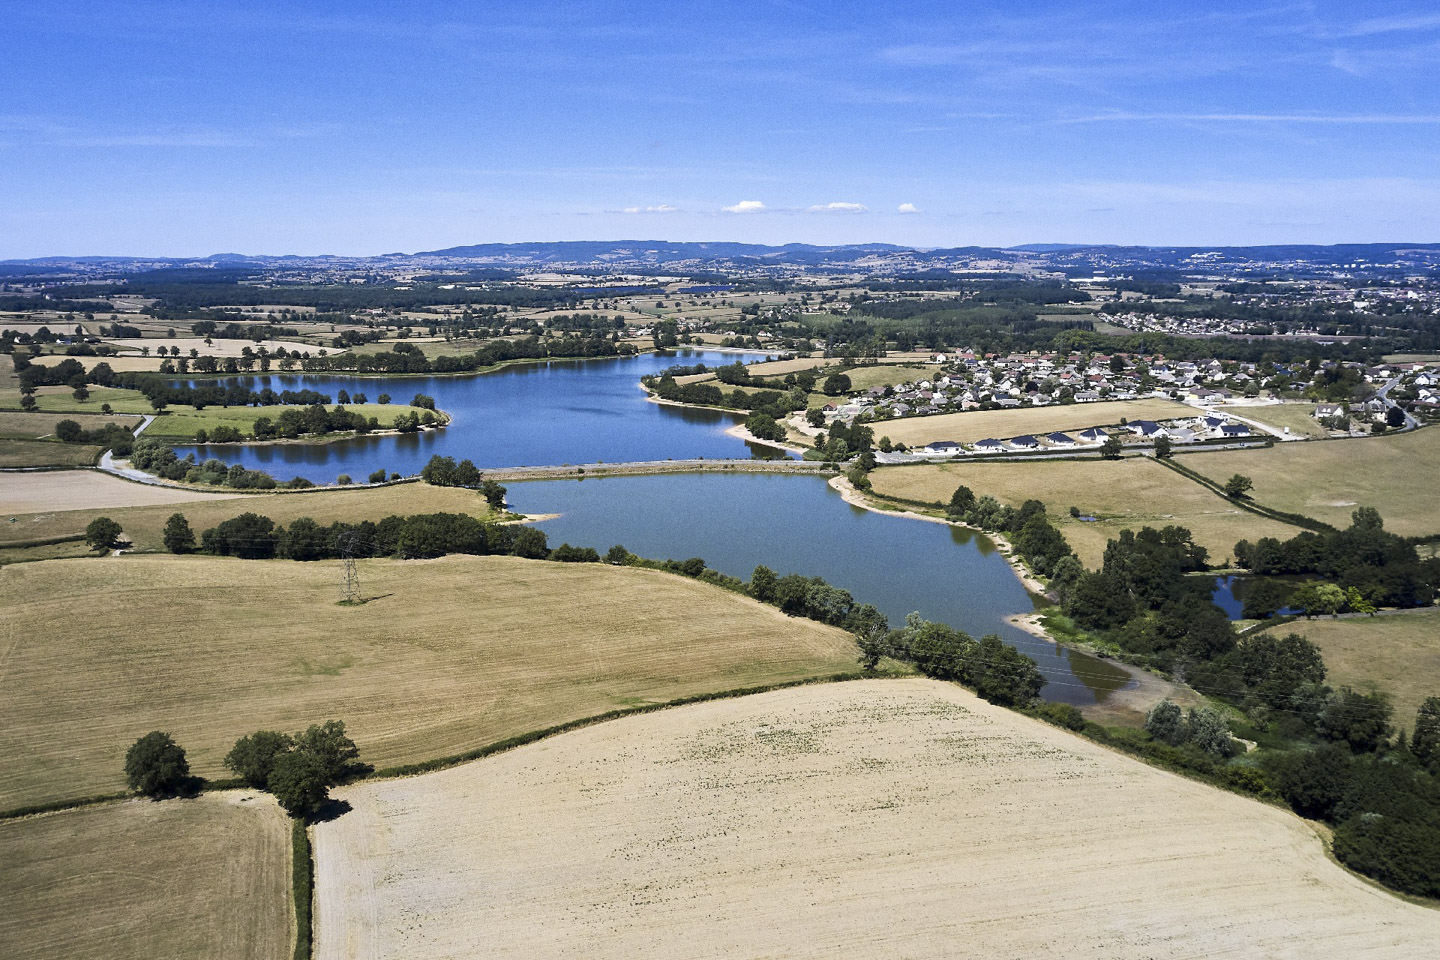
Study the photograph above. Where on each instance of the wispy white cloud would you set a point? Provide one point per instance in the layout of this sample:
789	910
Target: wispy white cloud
1340	118
745	206
907	208
839	206
1382	25
658	208
48	132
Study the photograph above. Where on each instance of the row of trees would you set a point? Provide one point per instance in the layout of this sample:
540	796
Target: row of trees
299	770
158	457
252	536
1037	540
445	472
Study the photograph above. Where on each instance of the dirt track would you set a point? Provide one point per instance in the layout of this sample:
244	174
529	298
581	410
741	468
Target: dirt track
877	819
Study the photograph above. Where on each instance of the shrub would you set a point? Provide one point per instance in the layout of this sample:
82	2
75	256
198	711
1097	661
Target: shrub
1062	715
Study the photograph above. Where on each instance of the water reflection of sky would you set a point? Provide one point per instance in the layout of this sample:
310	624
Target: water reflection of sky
797	524
525	414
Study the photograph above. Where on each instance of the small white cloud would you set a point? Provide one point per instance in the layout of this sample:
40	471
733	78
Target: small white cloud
907	208
658	208
839	207
746	206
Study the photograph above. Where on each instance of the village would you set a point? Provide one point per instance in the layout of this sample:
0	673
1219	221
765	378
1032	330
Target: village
1229	400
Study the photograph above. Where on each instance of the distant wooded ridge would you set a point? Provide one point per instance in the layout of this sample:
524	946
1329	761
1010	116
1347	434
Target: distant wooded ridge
618	252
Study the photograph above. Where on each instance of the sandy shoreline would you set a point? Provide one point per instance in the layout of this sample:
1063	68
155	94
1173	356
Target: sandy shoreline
739	432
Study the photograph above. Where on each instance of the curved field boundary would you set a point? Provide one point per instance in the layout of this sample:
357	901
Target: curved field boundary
1294	519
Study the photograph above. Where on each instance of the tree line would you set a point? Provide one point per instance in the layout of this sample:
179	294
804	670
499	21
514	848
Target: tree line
1381	568
299	770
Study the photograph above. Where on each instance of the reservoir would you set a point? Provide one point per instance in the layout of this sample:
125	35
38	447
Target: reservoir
798	524
573	412
527	414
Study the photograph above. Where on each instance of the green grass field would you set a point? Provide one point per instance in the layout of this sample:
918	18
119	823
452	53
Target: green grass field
179	422
208	877
1328	480
1129	493
445	655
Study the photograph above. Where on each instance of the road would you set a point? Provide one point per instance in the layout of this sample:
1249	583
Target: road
1384	394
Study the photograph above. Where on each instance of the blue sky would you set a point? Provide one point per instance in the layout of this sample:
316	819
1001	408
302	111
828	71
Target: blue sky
194	127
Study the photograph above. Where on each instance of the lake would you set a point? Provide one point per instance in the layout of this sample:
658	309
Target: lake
798	524
588	411
529	414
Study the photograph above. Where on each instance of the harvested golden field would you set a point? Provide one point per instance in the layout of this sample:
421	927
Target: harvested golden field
446	655
1398	654
778	368
145	525
1299	417
1131	493
32	426
47	453
1001	424
887	818
208	877
1395	474
24	493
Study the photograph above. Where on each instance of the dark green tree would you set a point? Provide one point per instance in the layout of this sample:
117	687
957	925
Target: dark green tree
155	766
178	536
299	782
1425	741
102	533
764	584
493	493
961	501
1111	449
1237	486
328	743
1004	675
253	757
1163	448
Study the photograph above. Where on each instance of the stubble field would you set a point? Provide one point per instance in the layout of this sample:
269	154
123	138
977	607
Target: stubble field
208	877
79	490
445	656
878	818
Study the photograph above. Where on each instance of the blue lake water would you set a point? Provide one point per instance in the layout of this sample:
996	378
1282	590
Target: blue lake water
594	410
532	414
798	524
1229	596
